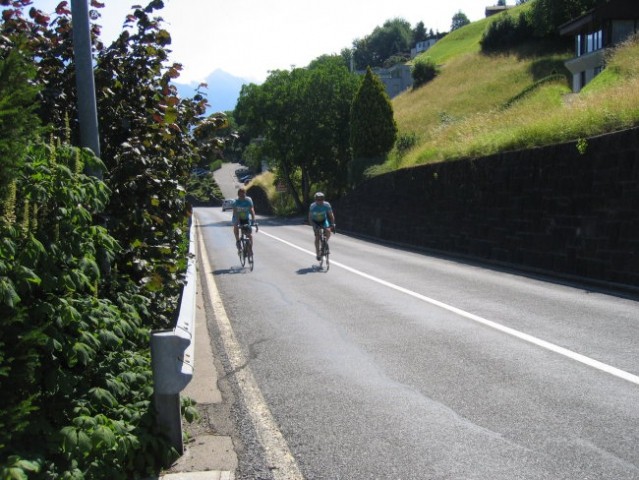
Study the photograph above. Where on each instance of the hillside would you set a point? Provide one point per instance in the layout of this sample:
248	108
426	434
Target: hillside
481	104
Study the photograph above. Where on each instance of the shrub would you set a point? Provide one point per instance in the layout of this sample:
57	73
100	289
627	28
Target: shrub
75	371
424	71
506	32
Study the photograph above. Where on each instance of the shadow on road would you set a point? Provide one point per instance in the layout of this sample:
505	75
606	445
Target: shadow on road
230	271
313	269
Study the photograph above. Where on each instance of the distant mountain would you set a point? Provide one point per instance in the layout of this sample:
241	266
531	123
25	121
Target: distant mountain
222	92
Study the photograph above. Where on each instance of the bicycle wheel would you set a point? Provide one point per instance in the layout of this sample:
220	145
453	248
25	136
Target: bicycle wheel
327	253
242	253
250	256
324	254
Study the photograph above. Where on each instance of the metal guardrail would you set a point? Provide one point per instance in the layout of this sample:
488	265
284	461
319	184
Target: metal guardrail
172	357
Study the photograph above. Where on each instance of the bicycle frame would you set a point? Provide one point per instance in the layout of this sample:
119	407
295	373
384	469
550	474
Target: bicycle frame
246	245
324	250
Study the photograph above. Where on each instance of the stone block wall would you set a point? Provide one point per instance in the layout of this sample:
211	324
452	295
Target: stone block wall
550	209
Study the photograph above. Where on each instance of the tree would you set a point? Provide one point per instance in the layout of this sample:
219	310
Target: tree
459	20
506	32
79	302
393	37
328	95
419	33
501	3
548	15
373	128
303	117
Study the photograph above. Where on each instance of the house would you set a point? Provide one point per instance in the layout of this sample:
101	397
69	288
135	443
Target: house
594	32
396	79
494	10
422	47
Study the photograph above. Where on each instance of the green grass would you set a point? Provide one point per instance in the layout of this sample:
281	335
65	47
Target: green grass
483	104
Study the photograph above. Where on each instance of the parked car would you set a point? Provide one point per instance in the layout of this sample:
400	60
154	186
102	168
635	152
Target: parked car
245	179
227	204
199	172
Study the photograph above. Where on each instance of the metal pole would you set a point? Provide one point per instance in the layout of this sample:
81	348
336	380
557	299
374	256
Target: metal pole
85	83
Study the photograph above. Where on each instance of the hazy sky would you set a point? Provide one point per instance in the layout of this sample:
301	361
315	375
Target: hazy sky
247	38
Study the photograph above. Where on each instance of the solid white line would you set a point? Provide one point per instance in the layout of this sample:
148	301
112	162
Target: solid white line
275	447
475	318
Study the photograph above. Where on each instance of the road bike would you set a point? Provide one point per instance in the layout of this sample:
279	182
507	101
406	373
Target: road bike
245	251
324	250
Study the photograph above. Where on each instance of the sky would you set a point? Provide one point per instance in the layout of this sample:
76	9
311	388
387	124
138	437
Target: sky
248	38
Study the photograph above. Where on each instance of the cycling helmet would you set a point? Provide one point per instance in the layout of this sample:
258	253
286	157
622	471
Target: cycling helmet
319	195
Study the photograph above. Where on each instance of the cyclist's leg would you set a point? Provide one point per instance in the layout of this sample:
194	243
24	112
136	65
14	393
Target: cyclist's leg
316	231
236	232
327	231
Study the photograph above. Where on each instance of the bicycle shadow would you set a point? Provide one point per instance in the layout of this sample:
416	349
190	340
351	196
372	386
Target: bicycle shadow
312	269
230	271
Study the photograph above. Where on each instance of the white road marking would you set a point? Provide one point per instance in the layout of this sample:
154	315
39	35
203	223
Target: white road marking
278	455
475	318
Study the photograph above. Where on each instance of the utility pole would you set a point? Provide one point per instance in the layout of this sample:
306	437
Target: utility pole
85	82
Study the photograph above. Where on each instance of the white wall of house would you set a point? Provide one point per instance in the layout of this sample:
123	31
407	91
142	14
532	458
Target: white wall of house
396	79
422	47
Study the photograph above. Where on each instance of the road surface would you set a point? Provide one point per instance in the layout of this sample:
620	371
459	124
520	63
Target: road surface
400	365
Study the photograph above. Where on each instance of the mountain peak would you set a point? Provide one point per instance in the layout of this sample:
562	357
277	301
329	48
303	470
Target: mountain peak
222	90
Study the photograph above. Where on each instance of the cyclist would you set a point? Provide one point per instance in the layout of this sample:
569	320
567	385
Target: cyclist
243	214
320	215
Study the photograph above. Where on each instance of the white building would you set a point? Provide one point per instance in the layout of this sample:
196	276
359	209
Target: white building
594	32
422	47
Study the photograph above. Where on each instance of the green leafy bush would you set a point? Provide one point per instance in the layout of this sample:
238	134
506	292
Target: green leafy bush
506	32
75	373
87	267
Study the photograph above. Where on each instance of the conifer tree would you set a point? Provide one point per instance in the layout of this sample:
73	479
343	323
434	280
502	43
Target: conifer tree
373	127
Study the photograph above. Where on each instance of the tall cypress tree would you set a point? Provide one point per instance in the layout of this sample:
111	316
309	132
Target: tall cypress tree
373	127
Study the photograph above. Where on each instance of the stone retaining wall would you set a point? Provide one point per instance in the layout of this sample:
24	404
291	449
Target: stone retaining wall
550	209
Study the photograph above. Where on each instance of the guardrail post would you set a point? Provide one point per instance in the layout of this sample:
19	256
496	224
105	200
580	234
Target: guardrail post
172	354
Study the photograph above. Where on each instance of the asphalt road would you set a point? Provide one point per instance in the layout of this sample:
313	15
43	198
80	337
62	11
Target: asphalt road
400	365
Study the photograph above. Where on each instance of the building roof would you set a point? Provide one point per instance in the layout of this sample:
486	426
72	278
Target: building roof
494	10
611	10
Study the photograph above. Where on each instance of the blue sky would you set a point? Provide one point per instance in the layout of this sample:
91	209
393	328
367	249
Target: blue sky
247	38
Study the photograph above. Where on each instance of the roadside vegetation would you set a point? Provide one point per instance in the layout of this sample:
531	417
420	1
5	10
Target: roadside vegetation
494	85
480	104
89	264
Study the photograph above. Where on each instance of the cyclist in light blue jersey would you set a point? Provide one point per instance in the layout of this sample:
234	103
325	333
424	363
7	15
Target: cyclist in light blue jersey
243	214
320	215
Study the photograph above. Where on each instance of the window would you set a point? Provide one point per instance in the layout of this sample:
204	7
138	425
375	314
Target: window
578	51
588	42
594	41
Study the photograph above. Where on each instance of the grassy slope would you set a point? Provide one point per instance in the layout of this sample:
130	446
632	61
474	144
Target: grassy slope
464	112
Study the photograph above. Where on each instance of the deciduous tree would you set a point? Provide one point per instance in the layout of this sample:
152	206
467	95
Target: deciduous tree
459	20
302	117
548	15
